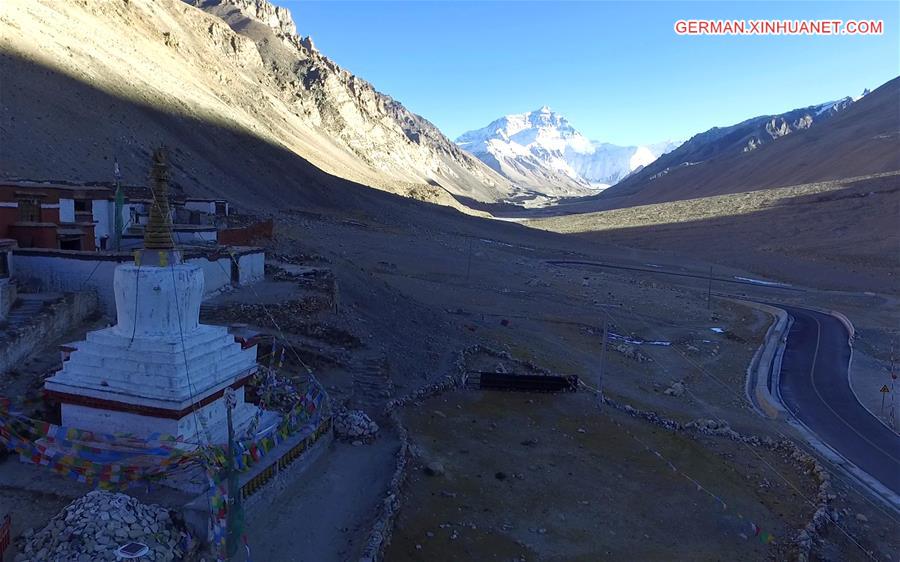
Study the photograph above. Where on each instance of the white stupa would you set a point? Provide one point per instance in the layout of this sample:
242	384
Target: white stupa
158	369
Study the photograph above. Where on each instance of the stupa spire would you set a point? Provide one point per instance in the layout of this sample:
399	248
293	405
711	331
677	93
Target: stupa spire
158	233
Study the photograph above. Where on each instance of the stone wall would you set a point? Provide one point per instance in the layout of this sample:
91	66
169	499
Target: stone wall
803	542
823	514
7	296
246	235
58	318
383	526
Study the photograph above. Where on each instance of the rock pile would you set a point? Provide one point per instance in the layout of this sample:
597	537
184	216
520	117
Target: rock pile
677	389
717	427
631	352
92	527
354	425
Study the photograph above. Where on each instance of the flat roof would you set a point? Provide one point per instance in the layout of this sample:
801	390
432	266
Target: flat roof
51	185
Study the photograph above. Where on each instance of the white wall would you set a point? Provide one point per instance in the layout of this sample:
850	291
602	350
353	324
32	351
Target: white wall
252	268
103	212
109	421
194	236
208	207
57	272
216	273
126	215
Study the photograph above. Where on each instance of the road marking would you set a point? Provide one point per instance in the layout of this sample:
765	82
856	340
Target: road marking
812	379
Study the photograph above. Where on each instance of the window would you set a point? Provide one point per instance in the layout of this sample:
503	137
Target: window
70	243
29	209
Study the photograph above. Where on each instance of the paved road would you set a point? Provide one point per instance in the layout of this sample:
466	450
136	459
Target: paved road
665	270
815	388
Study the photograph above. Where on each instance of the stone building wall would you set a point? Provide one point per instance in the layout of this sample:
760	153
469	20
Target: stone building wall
58	318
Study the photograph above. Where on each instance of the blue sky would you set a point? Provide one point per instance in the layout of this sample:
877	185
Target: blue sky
617	71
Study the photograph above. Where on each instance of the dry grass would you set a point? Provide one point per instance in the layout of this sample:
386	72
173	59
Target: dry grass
576	487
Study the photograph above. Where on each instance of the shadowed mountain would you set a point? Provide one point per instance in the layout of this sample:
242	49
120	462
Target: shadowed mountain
835	235
241	66
858	140
207	159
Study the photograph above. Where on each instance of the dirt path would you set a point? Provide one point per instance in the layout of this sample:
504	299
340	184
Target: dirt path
324	515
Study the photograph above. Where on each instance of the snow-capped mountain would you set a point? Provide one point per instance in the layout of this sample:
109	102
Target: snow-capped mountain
542	152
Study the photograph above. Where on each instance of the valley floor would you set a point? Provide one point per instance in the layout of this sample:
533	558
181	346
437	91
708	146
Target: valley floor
379	303
417	295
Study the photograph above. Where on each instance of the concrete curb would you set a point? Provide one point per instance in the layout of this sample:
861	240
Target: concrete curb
765	366
876	489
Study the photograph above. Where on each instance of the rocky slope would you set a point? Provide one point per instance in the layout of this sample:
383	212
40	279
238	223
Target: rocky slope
742	138
249	108
543	152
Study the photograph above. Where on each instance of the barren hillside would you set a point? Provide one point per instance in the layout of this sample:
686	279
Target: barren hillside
836	234
257	111
862	139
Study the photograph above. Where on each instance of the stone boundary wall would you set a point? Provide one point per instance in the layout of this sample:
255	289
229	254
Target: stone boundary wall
51	323
802	543
383	526
823	514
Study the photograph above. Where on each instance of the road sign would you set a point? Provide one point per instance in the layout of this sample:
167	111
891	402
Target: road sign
885	389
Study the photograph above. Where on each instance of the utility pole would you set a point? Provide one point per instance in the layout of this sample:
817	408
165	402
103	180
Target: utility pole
709	290
603	357
893	420
469	263
235	516
120	204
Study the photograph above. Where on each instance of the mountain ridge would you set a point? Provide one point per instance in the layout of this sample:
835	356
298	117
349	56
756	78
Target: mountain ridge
856	139
236	64
543	152
743	137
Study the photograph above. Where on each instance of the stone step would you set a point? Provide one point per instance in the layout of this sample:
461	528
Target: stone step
169	389
148	363
372	383
207	335
194	350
